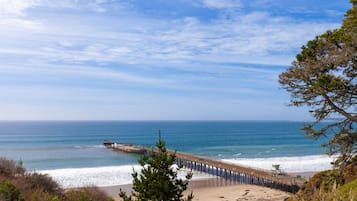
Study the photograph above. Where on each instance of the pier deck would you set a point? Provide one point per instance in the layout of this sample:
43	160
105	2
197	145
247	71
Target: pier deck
234	172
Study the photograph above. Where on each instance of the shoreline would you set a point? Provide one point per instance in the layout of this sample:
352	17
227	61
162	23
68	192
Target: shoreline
202	187
216	189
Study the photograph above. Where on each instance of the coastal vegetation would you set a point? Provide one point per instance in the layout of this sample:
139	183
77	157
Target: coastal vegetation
334	185
323	78
158	179
18	185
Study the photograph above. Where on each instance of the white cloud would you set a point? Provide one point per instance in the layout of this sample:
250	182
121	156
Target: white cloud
15	7
334	13
186	56
18	8
11	25
221	4
250	38
63	71
14	19
253	37
91	5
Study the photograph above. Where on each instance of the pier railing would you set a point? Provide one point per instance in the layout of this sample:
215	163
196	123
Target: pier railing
232	172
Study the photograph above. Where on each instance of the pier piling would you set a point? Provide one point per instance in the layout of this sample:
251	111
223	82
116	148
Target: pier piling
231	172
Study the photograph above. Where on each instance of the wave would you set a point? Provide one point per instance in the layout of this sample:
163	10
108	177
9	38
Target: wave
99	176
102	176
121	175
312	163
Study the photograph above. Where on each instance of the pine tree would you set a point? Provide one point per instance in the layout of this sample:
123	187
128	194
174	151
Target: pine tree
324	78
158	180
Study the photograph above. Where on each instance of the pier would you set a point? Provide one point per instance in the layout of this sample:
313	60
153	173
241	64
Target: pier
231	172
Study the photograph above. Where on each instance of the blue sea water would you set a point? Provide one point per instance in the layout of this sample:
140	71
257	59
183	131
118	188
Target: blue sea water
62	145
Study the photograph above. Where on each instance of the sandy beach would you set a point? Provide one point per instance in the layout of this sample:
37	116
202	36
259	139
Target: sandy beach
240	192
217	189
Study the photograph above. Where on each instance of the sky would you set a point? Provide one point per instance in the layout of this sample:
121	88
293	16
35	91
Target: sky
154	60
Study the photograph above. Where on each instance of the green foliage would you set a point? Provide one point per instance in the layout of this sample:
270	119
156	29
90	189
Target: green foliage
320	187
158	179
9	192
79	196
348	191
328	185
323	77
41	195
87	194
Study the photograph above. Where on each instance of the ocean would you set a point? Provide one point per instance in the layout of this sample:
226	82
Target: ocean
72	152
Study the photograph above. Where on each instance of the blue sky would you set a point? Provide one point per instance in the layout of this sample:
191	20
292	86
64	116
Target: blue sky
154	60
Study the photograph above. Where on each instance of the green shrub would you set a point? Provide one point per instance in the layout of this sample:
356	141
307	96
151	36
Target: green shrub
87	194
322	186
9	192
348	191
78	196
40	195
16	185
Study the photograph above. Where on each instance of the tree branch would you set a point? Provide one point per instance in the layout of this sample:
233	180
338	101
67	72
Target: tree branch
339	110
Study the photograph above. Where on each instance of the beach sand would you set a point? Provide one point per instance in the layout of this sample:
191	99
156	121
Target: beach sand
240	192
217	189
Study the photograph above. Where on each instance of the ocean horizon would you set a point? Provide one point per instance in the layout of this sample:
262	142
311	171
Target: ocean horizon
73	154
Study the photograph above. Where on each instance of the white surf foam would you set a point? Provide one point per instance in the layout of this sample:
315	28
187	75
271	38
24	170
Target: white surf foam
99	176
312	163
120	175
102	176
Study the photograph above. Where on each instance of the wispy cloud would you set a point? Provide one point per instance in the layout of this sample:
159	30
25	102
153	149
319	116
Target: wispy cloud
222	3
15	7
217	53
13	15
254	37
78	72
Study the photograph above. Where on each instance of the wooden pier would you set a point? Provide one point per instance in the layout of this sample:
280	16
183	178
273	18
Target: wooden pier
233	172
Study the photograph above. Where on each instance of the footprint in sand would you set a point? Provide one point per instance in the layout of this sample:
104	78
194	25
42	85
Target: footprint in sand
246	192
222	198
